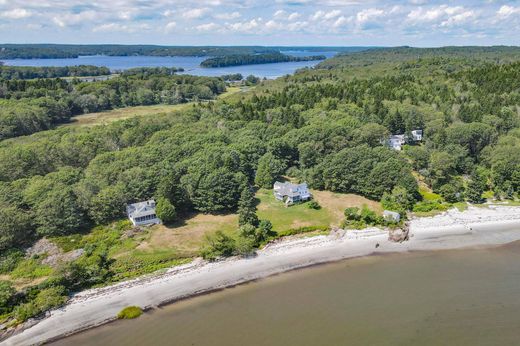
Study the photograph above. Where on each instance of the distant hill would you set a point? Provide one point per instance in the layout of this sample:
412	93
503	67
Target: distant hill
50	51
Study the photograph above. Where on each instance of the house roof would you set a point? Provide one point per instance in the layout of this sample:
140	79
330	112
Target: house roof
290	189
141	208
391	213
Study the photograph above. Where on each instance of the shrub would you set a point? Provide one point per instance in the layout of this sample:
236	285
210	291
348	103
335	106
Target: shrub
31	269
9	259
218	245
427	206
46	299
300	230
352	213
314	205
130	312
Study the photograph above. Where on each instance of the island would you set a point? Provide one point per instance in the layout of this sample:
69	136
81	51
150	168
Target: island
255	59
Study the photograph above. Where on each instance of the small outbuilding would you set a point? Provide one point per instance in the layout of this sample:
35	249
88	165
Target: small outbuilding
143	213
391	216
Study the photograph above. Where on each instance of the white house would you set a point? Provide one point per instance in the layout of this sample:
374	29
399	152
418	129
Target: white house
291	193
417	135
391	216
396	141
142	213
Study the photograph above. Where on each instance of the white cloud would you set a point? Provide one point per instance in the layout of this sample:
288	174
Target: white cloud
322	15
444	16
244	27
196	13
228	16
16	13
368	15
170	27
118	27
76	19
507	11
207	27
294	16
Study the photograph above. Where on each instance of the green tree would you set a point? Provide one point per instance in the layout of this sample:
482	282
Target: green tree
269	169
247	208
165	210
475	189
15	227
108	204
7	291
59	213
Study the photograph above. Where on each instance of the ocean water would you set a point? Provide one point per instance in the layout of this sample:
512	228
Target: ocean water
190	64
464	297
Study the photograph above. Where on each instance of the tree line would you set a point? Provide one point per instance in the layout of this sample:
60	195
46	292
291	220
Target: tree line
28	106
252	59
29	72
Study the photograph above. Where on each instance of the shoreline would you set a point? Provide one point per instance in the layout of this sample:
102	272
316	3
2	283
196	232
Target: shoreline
474	228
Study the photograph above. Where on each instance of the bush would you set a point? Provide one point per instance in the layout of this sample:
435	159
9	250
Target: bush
130	312
314	205
9	259
218	245
300	230
427	206
352	213
46	299
30	269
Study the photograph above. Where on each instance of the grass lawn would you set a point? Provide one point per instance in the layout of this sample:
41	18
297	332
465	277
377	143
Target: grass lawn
331	214
187	236
100	118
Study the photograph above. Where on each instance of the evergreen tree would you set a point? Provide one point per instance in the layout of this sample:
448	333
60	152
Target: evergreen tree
247	208
269	169
165	210
475	188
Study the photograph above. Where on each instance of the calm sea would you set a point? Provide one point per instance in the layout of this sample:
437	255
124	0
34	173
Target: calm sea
469	297
190	64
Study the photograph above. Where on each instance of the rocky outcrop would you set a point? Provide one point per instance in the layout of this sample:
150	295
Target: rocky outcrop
399	235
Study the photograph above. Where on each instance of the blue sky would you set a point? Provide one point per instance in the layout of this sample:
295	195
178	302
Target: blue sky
262	22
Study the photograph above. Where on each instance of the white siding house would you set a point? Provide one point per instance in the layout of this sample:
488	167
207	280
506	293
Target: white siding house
291	193
417	135
396	142
142	213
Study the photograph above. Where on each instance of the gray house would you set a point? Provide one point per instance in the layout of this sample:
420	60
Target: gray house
291	193
142	213
391	216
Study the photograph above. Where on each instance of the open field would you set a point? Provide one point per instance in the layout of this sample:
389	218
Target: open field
100	118
187	235
331	214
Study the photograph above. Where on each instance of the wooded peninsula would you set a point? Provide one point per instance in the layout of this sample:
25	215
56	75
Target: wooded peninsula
247	59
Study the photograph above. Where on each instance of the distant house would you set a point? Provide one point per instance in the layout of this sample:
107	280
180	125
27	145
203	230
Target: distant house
391	216
142	213
291	193
396	142
417	135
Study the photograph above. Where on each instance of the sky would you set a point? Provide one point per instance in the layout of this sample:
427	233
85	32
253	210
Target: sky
418	23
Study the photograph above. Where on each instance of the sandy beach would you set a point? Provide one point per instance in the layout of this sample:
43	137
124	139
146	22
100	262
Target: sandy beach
476	227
